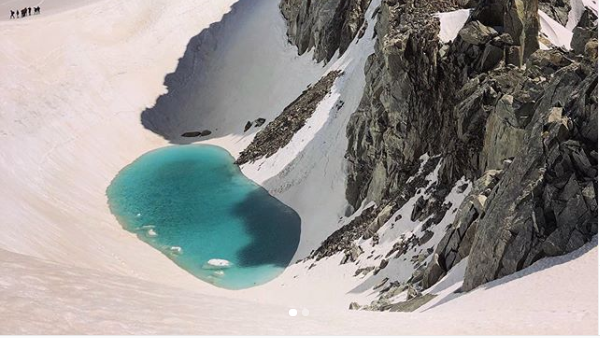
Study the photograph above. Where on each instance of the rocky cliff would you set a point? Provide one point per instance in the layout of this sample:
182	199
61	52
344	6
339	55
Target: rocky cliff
519	122
325	25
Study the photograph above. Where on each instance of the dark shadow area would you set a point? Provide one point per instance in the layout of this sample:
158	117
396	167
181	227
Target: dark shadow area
540	265
455	294
179	111
241	69
544	264
274	228
368	284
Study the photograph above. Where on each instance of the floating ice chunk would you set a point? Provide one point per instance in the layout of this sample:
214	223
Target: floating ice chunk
138	215
219	273
151	233
176	250
217	264
148	226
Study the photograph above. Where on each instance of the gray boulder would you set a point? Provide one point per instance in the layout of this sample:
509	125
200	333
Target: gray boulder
581	36
476	33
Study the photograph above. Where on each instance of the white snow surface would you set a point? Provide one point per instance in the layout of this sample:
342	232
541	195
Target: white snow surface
45	297
451	23
47	6
558	34
75	81
577	9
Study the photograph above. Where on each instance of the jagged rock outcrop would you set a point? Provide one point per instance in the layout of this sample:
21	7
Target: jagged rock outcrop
546	202
586	30
325	25
465	102
556	9
541	236
458	239
422	97
518	18
516	120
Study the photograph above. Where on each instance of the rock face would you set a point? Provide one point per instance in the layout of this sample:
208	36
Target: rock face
391	128
518	18
556	9
325	25
458	240
519	122
546	202
422	97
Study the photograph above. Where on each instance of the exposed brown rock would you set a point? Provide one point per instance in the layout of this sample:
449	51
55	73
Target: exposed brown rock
279	132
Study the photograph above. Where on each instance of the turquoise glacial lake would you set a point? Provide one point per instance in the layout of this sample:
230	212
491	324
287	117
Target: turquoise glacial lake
195	206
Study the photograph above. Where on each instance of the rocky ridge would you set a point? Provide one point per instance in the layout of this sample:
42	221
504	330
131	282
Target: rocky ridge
279	132
520	122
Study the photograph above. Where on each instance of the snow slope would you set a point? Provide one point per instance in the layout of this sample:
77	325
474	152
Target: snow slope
48	7
63	143
71	117
70	121
309	173
44	297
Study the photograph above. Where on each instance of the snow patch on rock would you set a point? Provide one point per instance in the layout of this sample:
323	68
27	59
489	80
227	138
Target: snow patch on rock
451	23
556	33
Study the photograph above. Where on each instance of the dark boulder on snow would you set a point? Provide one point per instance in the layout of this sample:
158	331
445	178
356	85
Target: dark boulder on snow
248	126
556	9
192	134
259	122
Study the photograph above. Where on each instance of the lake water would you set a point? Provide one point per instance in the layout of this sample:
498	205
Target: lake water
194	205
